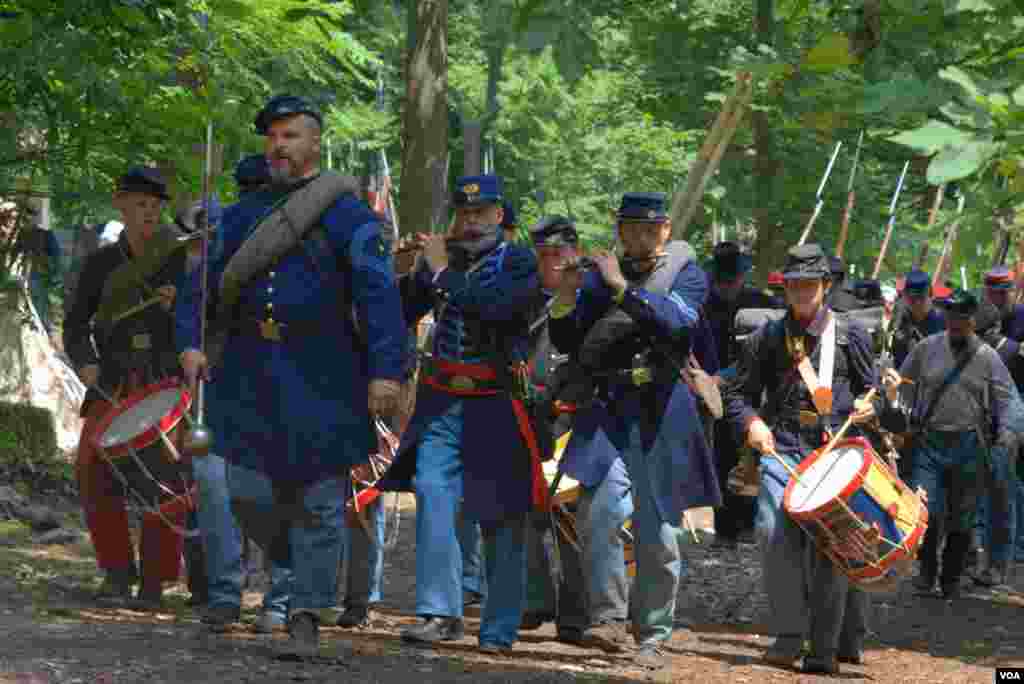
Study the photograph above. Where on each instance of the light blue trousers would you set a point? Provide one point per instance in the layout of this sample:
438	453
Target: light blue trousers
439	571
314	543
364	555
222	542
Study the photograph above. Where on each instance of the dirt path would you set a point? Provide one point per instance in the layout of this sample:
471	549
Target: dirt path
50	634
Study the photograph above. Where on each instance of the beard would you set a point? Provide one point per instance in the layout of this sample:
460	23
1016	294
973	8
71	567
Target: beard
477	240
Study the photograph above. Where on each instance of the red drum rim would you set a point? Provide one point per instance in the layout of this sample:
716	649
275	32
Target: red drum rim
151	434
849	490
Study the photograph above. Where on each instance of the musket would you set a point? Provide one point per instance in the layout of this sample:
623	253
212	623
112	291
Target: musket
933	214
1004	220
820	201
892	222
947	247
851	196
198	439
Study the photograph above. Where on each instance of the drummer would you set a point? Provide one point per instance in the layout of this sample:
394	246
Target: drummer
792	425
114	365
593	595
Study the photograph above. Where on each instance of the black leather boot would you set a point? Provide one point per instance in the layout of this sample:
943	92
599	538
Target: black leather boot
924	583
954	561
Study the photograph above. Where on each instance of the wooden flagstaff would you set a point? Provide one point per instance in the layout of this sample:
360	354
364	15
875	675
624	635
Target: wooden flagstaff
684	204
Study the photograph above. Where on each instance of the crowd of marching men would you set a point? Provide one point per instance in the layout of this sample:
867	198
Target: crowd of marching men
564	402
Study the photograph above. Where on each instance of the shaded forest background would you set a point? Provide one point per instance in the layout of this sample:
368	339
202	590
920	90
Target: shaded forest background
573	101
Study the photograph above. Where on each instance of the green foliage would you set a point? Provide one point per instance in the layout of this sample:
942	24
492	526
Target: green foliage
581	99
28	449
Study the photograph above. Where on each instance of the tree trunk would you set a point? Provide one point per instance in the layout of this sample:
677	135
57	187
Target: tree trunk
425	151
770	241
472	138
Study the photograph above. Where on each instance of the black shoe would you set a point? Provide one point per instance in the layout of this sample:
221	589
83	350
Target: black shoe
785	651
471	598
993	576
433	630
924	586
303	640
198	600
951	590
355	617
149	600
826	665
532	621
725	543
852	658
219	618
573	637
116	590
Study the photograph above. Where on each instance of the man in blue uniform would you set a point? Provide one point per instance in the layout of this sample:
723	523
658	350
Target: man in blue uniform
915	318
819	599
592	596
729	294
631	324
469	438
314	343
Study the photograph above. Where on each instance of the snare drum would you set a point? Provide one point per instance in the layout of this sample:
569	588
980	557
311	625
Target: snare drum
860	514
563	502
140	439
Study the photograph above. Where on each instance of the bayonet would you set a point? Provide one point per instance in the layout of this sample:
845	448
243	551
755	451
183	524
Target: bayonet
820	201
891	223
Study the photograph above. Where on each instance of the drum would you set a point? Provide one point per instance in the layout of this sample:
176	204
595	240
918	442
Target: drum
860	514
140	439
563	504
364	479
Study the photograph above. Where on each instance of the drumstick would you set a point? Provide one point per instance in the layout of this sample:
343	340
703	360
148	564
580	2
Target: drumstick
137	308
846	426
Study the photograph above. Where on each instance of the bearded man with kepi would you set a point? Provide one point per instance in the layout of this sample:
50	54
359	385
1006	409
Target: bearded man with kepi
470	437
308	315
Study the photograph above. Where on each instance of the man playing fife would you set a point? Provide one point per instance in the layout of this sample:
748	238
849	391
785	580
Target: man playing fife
469	439
631	325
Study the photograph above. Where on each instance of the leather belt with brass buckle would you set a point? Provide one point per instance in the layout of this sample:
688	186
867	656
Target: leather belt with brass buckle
462	383
270	330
